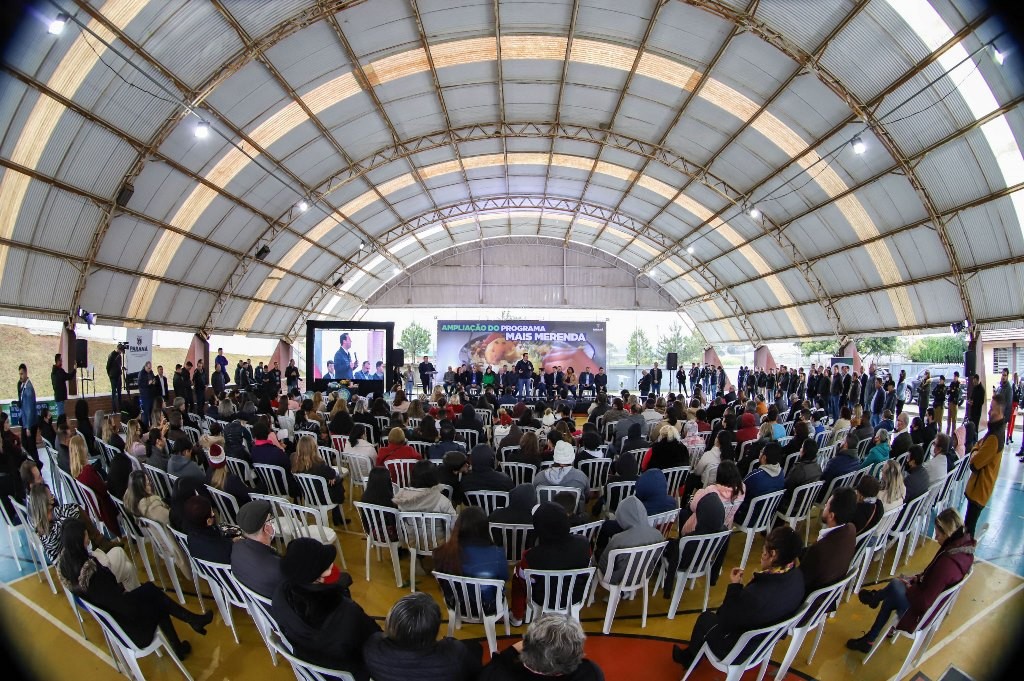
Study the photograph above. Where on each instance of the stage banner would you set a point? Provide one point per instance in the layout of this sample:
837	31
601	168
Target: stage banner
502	343
140	350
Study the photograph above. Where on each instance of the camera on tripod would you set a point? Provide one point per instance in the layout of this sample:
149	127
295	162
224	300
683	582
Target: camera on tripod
122	347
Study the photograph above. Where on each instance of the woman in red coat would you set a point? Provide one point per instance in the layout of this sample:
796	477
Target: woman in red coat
910	598
83	471
748	429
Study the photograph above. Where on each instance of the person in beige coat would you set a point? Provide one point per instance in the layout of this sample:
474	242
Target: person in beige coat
142	502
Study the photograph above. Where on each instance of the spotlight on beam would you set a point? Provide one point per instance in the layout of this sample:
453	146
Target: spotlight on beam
263	252
56	26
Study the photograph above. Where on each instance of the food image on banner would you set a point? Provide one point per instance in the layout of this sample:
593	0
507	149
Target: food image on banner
502	343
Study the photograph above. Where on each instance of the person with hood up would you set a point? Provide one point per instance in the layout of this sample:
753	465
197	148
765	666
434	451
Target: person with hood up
708	518
765	479
748	429
634	440
631	516
556	549
562	473
321	621
652	491
519	511
483	475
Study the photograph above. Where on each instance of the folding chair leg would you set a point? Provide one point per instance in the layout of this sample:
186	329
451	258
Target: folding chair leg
899	552
908	663
492	635
881	637
643	620
677	595
707	589
174	658
791	652
817	640
746	547
14	549
145	561
613	604
764	668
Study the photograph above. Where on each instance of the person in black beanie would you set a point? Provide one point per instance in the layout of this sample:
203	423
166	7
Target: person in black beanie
321	621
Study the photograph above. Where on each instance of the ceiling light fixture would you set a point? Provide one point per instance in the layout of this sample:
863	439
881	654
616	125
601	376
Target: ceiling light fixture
202	130
859	147
690	249
302	206
396	270
263	252
754	212
339	281
362	245
56	26
998	56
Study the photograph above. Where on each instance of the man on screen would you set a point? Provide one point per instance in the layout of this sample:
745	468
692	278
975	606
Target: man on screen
379	374
329	374
364	374
426	374
343	362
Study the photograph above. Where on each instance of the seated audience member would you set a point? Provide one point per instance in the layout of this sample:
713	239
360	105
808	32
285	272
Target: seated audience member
879	450
220	477
320	620
765	479
728	487
139	611
773	594
652	491
845	461
893	490
937	464
806	470
707	516
748	430
911	597
916	479
307	460
869	507
519	511
590	443
556	548
206	540
84	473
119	468
562	473
667	452
254	562
396	448
424	495
358	444
183	464
552	648
483	476
450	472
635	441
446	444
470	552
629	529
408	647
827	561
265	451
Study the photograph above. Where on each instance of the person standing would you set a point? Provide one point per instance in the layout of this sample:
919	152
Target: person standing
939	401
835	393
1017	392
410	380
220	363
953	393
59	380
427	374
199	383
985	459
146	391
29	417
291	374
656	379
975	401
160	385
901	392
924	391
524	371
275	379
114	370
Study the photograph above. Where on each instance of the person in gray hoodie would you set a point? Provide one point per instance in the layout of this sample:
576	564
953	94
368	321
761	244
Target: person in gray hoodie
181	463
562	473
631	516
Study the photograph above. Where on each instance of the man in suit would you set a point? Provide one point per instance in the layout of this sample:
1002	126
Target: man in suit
159	388
828	560
656	379
902	441
427	371
586	381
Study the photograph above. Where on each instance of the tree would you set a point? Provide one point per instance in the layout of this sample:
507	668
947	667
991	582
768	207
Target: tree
687	346
415	340
822	347
938	349
878	346
639	350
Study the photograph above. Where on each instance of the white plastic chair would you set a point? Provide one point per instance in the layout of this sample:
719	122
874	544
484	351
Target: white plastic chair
559	589
258	607
126	653
274	477
299	520
876	546
764	641
330	455
225	504
305	671
760	514
597	472
15	529
36	551
163	550
92	505
161	481
504	453
844	480
664	522
925	629
315	492
469	436
515	539
241	468
422	448
640	564
825	455
547	493
589	530
401	471
193	434
617	491
488	500
903	528
375	526
675	477
815	611
224	588
800	505
703	550
423	532
359	468
521	473
131	529
468	604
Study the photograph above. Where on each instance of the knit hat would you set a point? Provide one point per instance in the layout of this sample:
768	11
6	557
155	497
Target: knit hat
306	559
217	457
565	454
252	516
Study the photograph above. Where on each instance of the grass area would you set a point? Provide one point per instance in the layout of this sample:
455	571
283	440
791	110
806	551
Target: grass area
18	346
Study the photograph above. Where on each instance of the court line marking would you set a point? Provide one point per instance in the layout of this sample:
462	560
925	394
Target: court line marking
963	628
42	612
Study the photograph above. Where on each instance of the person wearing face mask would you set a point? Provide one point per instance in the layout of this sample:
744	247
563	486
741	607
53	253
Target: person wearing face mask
254	562
321	621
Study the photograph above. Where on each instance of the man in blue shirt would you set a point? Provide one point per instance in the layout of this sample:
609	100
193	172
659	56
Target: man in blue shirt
364	374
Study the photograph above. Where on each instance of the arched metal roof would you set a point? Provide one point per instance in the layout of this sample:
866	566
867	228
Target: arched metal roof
634	133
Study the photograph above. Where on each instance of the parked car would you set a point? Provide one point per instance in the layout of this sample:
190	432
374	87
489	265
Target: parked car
935	371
